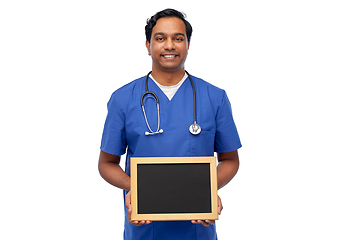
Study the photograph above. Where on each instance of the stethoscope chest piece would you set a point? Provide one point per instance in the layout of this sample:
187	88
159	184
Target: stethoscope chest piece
195	129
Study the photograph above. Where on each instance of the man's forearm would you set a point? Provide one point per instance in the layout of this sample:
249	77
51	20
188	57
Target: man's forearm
115	175
111	171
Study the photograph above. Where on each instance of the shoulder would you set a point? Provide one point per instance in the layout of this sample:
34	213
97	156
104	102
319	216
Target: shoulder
122	96
215	93
126	90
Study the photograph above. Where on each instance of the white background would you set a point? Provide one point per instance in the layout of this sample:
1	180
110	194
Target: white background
279	61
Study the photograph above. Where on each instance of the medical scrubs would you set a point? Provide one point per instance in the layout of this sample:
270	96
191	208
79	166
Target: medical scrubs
124	132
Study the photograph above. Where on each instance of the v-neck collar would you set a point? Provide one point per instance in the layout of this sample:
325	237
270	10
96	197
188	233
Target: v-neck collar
170	90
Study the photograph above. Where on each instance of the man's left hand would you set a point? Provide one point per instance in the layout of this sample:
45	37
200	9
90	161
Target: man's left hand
207	222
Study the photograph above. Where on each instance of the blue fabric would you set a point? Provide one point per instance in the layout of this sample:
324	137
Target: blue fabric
125	129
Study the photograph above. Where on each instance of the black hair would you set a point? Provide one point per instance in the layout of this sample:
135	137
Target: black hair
150	23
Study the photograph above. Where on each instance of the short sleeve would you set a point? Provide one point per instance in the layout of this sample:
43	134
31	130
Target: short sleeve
227	138
113	138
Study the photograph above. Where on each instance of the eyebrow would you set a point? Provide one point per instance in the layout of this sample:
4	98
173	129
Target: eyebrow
175	34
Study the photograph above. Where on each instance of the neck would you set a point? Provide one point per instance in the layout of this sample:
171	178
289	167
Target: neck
168	78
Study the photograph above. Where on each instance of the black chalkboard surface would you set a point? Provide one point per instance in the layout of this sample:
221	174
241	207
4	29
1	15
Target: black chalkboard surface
174	188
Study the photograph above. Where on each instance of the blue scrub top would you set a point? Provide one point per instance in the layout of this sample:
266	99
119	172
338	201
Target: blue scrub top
125	128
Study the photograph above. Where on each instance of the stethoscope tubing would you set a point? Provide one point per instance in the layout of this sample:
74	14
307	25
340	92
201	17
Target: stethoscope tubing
147	92
194	97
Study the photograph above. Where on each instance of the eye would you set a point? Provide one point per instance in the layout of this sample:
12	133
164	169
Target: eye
159	39
179	39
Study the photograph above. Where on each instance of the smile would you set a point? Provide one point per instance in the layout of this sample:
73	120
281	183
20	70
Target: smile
169	55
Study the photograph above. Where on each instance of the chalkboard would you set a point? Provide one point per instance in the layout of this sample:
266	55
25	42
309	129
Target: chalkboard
174	188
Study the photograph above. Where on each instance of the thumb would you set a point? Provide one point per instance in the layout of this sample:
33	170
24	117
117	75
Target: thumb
128	201
220	206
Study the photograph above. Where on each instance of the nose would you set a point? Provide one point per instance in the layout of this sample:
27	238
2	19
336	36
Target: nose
169	44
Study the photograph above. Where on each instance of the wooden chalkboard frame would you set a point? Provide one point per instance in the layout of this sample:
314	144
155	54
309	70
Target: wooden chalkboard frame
212	215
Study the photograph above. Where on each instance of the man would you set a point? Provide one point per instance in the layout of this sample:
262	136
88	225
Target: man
128	128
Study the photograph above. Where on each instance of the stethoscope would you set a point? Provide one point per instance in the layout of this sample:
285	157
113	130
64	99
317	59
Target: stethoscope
195	129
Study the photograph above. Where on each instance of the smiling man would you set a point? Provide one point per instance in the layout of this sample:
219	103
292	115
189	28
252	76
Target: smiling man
132	116
168	47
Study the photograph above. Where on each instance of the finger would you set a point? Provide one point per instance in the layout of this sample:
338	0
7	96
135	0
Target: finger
211	222
136	223
205	224
139	223
143	223
196	221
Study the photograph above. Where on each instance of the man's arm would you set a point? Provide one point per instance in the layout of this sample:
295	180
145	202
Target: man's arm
226	170
111	171
227	167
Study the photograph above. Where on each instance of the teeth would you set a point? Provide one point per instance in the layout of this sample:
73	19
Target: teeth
169	56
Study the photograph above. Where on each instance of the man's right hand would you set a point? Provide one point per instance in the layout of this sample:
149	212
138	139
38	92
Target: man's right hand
129	210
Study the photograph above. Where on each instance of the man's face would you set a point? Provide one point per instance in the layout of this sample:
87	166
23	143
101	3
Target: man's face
168	46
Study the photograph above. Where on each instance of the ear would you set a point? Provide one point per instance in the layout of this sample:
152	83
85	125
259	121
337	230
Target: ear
147	44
